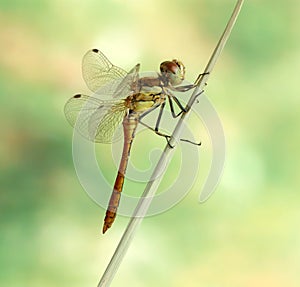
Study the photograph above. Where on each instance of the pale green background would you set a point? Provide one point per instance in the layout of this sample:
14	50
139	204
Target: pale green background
246	235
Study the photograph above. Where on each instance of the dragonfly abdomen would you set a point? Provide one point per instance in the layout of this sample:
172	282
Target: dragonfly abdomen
129	126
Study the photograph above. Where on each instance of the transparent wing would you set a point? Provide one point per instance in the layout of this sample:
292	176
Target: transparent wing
94	119
98	72
129	84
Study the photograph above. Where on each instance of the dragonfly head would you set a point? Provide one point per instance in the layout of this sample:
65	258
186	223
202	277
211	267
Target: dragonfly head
173	71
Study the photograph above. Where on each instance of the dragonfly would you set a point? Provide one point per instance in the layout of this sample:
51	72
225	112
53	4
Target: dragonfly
122	97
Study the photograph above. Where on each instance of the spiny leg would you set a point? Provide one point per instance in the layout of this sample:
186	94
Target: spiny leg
186	88
149	111
162	106
167	137
156	131
183	110
199	77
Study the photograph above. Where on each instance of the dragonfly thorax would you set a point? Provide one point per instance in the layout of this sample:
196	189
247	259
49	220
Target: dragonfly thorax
144	100
172	72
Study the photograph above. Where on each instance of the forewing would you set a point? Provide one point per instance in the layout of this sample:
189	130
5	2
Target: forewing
129	84
98	71
94	119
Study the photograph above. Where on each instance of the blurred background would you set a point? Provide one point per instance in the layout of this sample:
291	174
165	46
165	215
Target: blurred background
246	234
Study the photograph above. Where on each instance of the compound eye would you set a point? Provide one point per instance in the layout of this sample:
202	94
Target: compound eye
168	67
179	64
173	72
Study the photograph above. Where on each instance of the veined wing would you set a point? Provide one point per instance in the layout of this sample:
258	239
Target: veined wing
98	72
129	84
94	119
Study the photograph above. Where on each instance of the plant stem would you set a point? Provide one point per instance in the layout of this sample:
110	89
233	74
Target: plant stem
164	160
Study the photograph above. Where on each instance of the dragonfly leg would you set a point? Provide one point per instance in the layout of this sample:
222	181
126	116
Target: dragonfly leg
182	109
149	111
162	106
156	131
199	77
183	88
185	140
191	142
191	86
167	137
171	97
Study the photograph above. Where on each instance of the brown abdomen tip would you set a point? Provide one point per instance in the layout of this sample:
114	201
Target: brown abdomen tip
105	227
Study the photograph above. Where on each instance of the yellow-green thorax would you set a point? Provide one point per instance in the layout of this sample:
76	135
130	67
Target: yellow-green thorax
145	99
